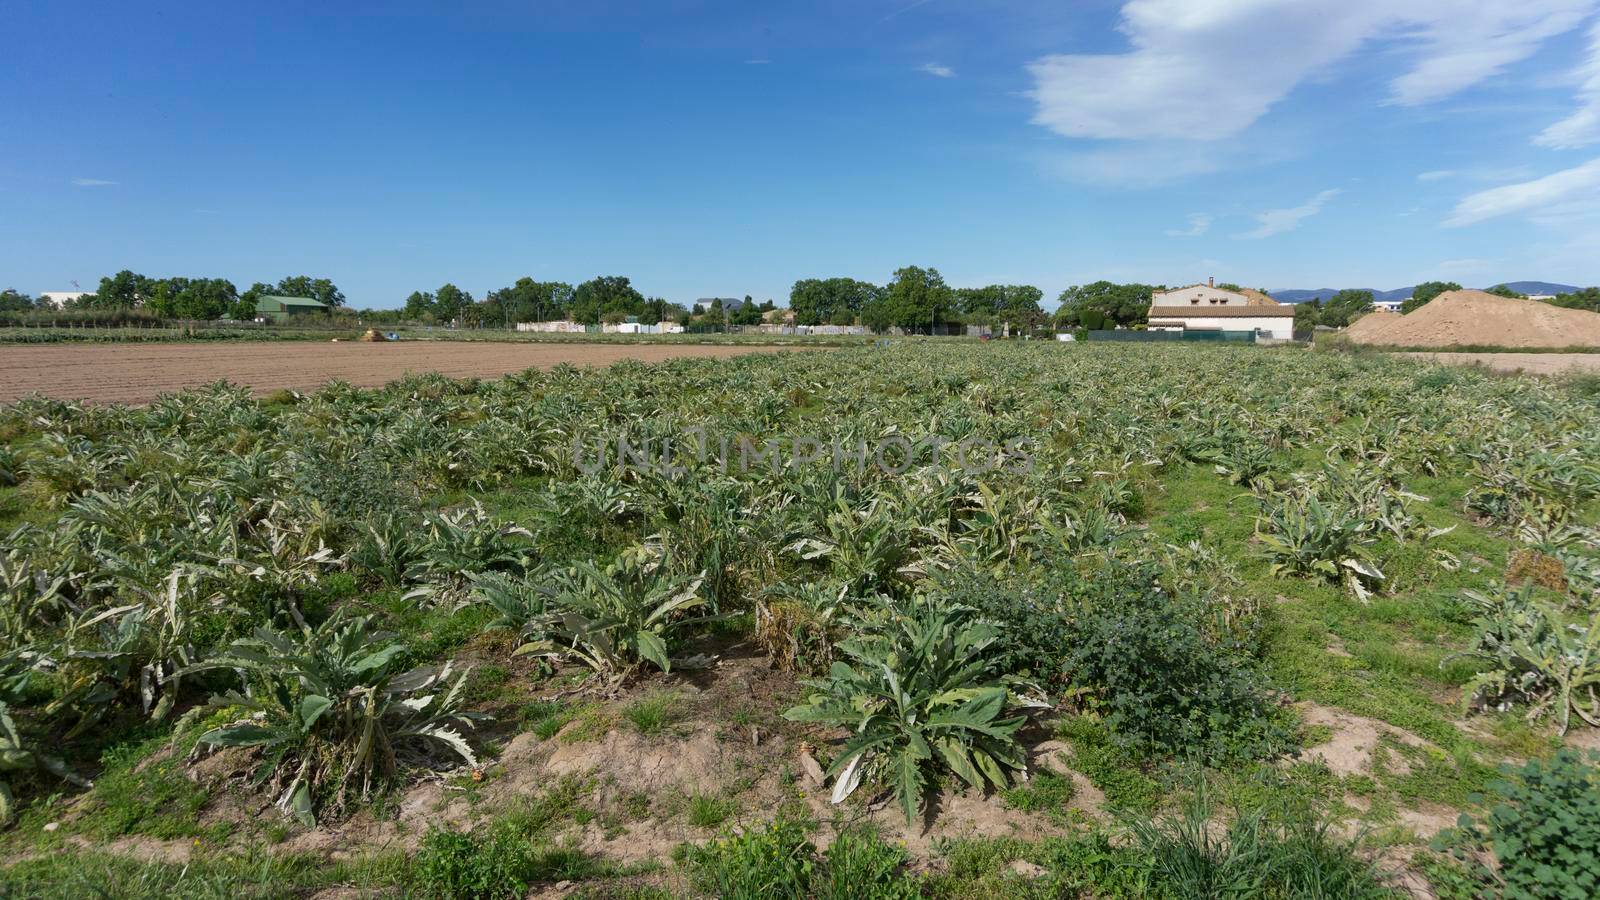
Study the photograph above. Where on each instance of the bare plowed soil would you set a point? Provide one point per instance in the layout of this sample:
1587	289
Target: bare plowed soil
137	373
1529	363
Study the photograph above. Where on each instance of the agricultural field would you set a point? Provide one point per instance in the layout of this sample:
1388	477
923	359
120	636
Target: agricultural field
943	620
138	373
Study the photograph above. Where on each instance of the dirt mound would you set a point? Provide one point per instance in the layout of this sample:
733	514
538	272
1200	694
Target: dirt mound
1476	318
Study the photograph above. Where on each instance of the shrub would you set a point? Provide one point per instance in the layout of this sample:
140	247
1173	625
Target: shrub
1144	661
921	692
1034	621
1167	676
1543	826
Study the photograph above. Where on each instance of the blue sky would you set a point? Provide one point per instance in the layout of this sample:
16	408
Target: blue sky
728	148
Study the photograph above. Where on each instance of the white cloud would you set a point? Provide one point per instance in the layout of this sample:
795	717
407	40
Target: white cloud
1208	69
757	62
1583	126
937	70
1553	194
1199	223
1460	267
1436	175
907	8
91	182
1277	221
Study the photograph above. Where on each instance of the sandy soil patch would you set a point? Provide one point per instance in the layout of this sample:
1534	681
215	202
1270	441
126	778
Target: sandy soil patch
1527	363
137	373
1479	319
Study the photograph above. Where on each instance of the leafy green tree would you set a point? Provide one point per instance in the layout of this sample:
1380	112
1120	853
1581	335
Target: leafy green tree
1426	291
995	304
319	289
244	308
916	298
532	301
124	290
449	302
1120	304
1344	306
418	306
1307	316
1587	298
1501	290
189	298
13	300
606	293
747	314
836	301
1230	286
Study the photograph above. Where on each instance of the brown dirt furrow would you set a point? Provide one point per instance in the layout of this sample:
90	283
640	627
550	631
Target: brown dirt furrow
138	373
1526	363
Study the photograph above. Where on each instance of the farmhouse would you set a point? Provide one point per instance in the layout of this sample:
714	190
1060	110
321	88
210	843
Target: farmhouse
1206	307
282	309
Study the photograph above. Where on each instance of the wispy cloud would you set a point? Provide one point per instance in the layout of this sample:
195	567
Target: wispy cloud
937	70
1171	85
757	62
1437	175
1278	221
1567	190
907	8
91	182
1583	126
1199	223
1468	266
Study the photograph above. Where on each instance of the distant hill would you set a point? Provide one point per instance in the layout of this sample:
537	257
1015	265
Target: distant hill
1297	295
1540	287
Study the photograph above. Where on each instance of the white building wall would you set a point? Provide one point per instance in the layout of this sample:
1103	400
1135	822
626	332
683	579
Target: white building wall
59	299
1280	327
1207	296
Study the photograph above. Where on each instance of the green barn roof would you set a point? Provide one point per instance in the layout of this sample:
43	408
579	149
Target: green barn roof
272	301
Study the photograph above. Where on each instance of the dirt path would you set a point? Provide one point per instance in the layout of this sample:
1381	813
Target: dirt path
1530	363
137	373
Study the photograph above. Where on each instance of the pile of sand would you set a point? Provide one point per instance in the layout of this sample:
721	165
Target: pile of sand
1476	318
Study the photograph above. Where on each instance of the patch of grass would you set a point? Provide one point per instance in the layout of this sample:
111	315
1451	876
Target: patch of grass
653	713
73	875
501	862
138	795
1276	852
1046	791
778	861
1079	866
709	810
590	723
1120	776
488	684
544	718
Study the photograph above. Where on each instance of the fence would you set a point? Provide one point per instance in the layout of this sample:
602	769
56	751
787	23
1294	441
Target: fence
1128	334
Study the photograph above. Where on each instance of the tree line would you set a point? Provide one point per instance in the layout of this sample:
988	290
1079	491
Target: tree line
182	298
914	299
603	299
